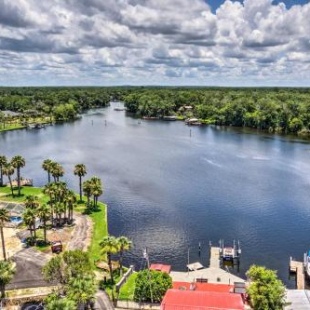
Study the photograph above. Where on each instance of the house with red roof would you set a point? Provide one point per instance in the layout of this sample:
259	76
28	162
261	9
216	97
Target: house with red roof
202	296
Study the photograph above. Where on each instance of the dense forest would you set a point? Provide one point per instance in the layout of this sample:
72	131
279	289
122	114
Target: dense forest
283	110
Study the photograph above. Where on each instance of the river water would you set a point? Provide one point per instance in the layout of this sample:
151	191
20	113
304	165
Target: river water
170	187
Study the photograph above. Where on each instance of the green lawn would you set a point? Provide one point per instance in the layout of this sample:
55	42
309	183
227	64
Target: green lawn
99	217
100	230
5	194
9	127
128	289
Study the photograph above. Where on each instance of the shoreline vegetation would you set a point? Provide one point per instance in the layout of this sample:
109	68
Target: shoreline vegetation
99	217
274	110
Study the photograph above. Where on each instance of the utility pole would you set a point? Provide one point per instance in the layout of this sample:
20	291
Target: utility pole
146	256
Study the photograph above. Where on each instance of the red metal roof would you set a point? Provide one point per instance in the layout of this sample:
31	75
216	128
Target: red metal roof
161	267
210	287
201	300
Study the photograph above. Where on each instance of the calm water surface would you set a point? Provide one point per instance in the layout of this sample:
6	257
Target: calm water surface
169	187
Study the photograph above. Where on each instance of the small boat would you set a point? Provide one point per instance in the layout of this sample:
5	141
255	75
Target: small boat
150	117
119	109
170	118
192	122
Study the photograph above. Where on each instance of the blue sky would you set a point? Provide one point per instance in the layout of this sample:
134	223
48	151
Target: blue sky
155	42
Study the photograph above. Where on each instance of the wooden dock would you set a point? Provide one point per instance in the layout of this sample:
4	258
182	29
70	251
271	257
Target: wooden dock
215	260
298	268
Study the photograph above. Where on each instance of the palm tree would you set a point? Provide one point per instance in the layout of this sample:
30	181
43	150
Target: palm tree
8	170
87	189
96	189
29	217
70	200
59	208
47	165
18	162
7	270
124	245
57	171
60	304
4	217
82	290
44	213
3	162
31	202
80	171
109	246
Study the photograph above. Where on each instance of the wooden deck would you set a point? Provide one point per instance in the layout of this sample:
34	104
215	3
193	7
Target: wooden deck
298	268
215	257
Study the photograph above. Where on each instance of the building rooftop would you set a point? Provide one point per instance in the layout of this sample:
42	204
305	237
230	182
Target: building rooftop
161	267
198	300
210	275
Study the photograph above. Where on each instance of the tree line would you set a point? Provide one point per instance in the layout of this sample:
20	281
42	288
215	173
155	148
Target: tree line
281	110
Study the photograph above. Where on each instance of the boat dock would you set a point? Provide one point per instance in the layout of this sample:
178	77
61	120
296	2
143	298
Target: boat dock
298	268
215	258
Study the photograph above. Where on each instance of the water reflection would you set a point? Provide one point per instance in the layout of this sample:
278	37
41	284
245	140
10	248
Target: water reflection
169	190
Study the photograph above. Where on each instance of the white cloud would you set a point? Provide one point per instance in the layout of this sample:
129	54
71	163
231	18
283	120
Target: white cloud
155	41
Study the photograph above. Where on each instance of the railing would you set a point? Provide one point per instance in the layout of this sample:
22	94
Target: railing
124	278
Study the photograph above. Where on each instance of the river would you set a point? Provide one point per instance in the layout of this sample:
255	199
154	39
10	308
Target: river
170	187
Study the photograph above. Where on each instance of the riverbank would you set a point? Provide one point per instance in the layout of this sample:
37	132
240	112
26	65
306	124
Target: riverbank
98	218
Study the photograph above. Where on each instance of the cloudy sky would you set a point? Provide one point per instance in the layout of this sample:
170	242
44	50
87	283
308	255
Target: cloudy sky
155	42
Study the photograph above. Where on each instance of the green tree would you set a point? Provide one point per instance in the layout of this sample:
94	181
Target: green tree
47	166
109	246
8	170
151	286
266	291
80	171
4	217
54	270
31	202
29	218
18	162
57	171
44	213
70	200
3	162
124	245
87	189
96	189
66	266
7	270
55	302
82	289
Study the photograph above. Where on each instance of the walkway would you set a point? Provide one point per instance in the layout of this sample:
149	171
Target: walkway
103	302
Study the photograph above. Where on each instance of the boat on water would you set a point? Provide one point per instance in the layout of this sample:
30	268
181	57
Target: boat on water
119	109
170	118
192	122
150	117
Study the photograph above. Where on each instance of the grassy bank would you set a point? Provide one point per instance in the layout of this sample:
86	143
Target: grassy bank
99	217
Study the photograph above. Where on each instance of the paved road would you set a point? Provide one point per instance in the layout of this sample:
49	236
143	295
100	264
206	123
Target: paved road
29	263
103	302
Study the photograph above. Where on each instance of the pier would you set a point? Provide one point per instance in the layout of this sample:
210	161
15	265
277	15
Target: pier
215	258
298	268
